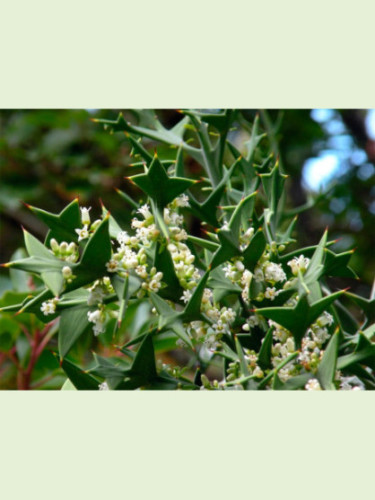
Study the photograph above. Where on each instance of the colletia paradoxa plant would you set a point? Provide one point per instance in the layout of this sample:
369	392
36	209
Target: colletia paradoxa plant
237	300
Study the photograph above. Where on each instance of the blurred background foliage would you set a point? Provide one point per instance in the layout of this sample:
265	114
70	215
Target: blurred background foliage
49	157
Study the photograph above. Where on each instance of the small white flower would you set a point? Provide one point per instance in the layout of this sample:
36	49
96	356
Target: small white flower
325	319
299	263
219	327
207	296
290	345
178	233
141	271
182	201
320	335
154	285
258	372
274	272
172	248
284	374
103	386
213	313
271	293
112	266
228	315
230	272
82	233
49	306
137	224
313	385
145	211
85	216
186	296
123	238
246	278
239	265
67	272
54	245
98	318
176	219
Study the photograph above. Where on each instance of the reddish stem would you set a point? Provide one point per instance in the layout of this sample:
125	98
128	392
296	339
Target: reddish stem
37	343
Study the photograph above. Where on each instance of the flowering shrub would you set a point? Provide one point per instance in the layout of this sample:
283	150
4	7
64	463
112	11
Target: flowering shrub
242	300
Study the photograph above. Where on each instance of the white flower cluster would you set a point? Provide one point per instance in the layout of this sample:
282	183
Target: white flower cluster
252	321
131	253
313	385
221	319
266	273
300	263
234	270
284	345
99	290
269	274
49	306
311	351
97	293
182	258
152	281
187	274
98	317
146	230
273	272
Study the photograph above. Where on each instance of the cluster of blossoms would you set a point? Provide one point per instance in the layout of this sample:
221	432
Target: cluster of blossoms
268	275
272	279
49	306
64	251
283	346
97	293
345	383
300	263
218	323
309	356
131	253
251	358
182	258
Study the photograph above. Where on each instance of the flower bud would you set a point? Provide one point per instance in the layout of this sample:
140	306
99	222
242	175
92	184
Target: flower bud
54	245
67	272
72	247
95	224
85	216
63	247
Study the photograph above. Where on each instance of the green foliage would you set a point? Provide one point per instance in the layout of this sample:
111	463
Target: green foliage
235	303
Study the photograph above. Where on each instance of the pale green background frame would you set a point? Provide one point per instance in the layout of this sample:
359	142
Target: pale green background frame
205	53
